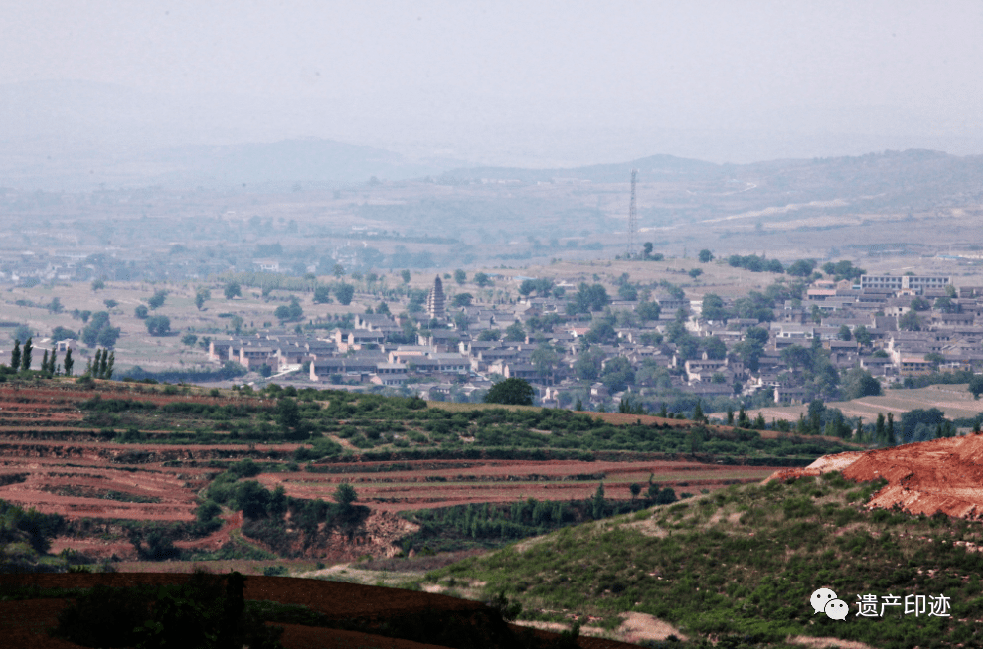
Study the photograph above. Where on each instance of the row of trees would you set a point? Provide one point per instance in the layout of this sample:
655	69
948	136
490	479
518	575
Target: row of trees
21	359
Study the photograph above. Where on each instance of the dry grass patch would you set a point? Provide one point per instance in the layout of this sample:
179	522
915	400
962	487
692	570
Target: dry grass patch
639	627
823	643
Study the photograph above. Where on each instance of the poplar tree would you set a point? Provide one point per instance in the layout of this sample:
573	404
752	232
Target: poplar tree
25	361
69	363
698	412
15	356
889	433
103	363
52	362
597	509
44	361
879	428
108	372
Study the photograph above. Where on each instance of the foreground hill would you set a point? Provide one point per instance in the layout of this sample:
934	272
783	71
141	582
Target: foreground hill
310	613
739	566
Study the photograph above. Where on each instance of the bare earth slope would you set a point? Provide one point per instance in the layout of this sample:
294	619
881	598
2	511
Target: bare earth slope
942	475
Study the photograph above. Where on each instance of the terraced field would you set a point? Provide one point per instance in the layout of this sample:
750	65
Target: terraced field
110	454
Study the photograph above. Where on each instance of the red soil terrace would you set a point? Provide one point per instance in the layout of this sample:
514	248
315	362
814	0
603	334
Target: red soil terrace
942	475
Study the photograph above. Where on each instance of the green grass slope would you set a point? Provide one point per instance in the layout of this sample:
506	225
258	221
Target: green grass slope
739	566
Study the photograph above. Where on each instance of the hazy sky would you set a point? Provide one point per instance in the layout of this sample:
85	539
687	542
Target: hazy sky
535	81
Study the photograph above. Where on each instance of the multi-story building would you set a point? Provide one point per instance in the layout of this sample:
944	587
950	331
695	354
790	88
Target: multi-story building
916	283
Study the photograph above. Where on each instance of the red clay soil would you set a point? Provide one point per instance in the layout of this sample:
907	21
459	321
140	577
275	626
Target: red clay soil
98	548
942	475
22	622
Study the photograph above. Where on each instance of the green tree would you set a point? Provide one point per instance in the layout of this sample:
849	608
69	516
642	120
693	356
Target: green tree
158	325
103	364
713	307
515	332
618	374
98	284
482	279
69	363
232	290
976	386
345	495
489	335
715	348
107	371
628	292
462	300
920	304
752	347
801	267
141	311
597	503
646	310
545	360
889	433
25	361
189	339
100	331
795	357
288	415
935	359
698	414
862	335
695	272
460	276
858	383
15	356
511	391
601	331
322	294
588	298
201	295
706	256
405	274
345	293
946	305
156	300
844	333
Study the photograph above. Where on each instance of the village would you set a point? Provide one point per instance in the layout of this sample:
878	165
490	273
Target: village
892	328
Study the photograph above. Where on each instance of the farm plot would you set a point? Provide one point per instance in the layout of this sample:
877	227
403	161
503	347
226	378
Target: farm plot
437	484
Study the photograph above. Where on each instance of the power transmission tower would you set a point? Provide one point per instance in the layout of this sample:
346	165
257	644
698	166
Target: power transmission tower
632	217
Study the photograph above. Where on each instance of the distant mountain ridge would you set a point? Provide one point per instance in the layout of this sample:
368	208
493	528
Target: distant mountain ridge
661	166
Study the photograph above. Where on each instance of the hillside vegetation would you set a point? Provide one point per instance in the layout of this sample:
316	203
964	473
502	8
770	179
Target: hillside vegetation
740	565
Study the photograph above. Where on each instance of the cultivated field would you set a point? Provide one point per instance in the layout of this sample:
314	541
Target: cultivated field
953	400
445	483
61	452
